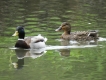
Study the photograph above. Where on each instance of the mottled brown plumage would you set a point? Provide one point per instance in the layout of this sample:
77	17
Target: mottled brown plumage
78	35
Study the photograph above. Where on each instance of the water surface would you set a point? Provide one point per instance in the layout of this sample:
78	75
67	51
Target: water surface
60	60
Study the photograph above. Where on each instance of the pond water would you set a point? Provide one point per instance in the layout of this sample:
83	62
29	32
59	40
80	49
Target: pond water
60	60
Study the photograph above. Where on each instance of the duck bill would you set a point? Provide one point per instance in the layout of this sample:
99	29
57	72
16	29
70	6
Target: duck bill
15	34
58	29
15	65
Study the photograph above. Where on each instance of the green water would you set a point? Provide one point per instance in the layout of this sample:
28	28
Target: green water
79	64
43	17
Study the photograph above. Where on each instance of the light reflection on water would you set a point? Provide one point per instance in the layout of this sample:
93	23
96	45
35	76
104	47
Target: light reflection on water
59	59
63	50
21	54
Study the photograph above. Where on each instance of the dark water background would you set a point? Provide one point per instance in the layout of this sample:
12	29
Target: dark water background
43	17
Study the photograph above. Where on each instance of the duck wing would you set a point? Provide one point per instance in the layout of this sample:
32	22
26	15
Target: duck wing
86	35
35	39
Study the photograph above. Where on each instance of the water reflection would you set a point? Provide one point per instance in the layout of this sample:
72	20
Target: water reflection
66	52
21	54
19	64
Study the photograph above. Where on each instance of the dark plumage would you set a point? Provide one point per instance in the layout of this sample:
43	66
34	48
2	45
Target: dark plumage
22	44
21	34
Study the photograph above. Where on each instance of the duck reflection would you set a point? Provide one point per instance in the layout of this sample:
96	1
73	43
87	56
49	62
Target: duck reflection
19	64
21	54
65	52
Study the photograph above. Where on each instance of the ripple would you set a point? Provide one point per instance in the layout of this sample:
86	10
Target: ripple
102	39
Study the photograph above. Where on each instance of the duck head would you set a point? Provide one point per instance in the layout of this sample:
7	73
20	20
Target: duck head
19	32
65	26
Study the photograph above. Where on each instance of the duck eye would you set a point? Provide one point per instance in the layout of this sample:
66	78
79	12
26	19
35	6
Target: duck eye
64	25
22	29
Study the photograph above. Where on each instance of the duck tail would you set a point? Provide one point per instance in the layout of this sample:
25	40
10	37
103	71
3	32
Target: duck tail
96	31
93	33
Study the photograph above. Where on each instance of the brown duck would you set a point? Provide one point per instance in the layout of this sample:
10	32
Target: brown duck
79	35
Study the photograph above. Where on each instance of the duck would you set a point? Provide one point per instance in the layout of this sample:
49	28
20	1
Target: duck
78	35
31	42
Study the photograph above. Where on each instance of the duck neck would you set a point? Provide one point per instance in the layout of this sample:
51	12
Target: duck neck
21	35
67	32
